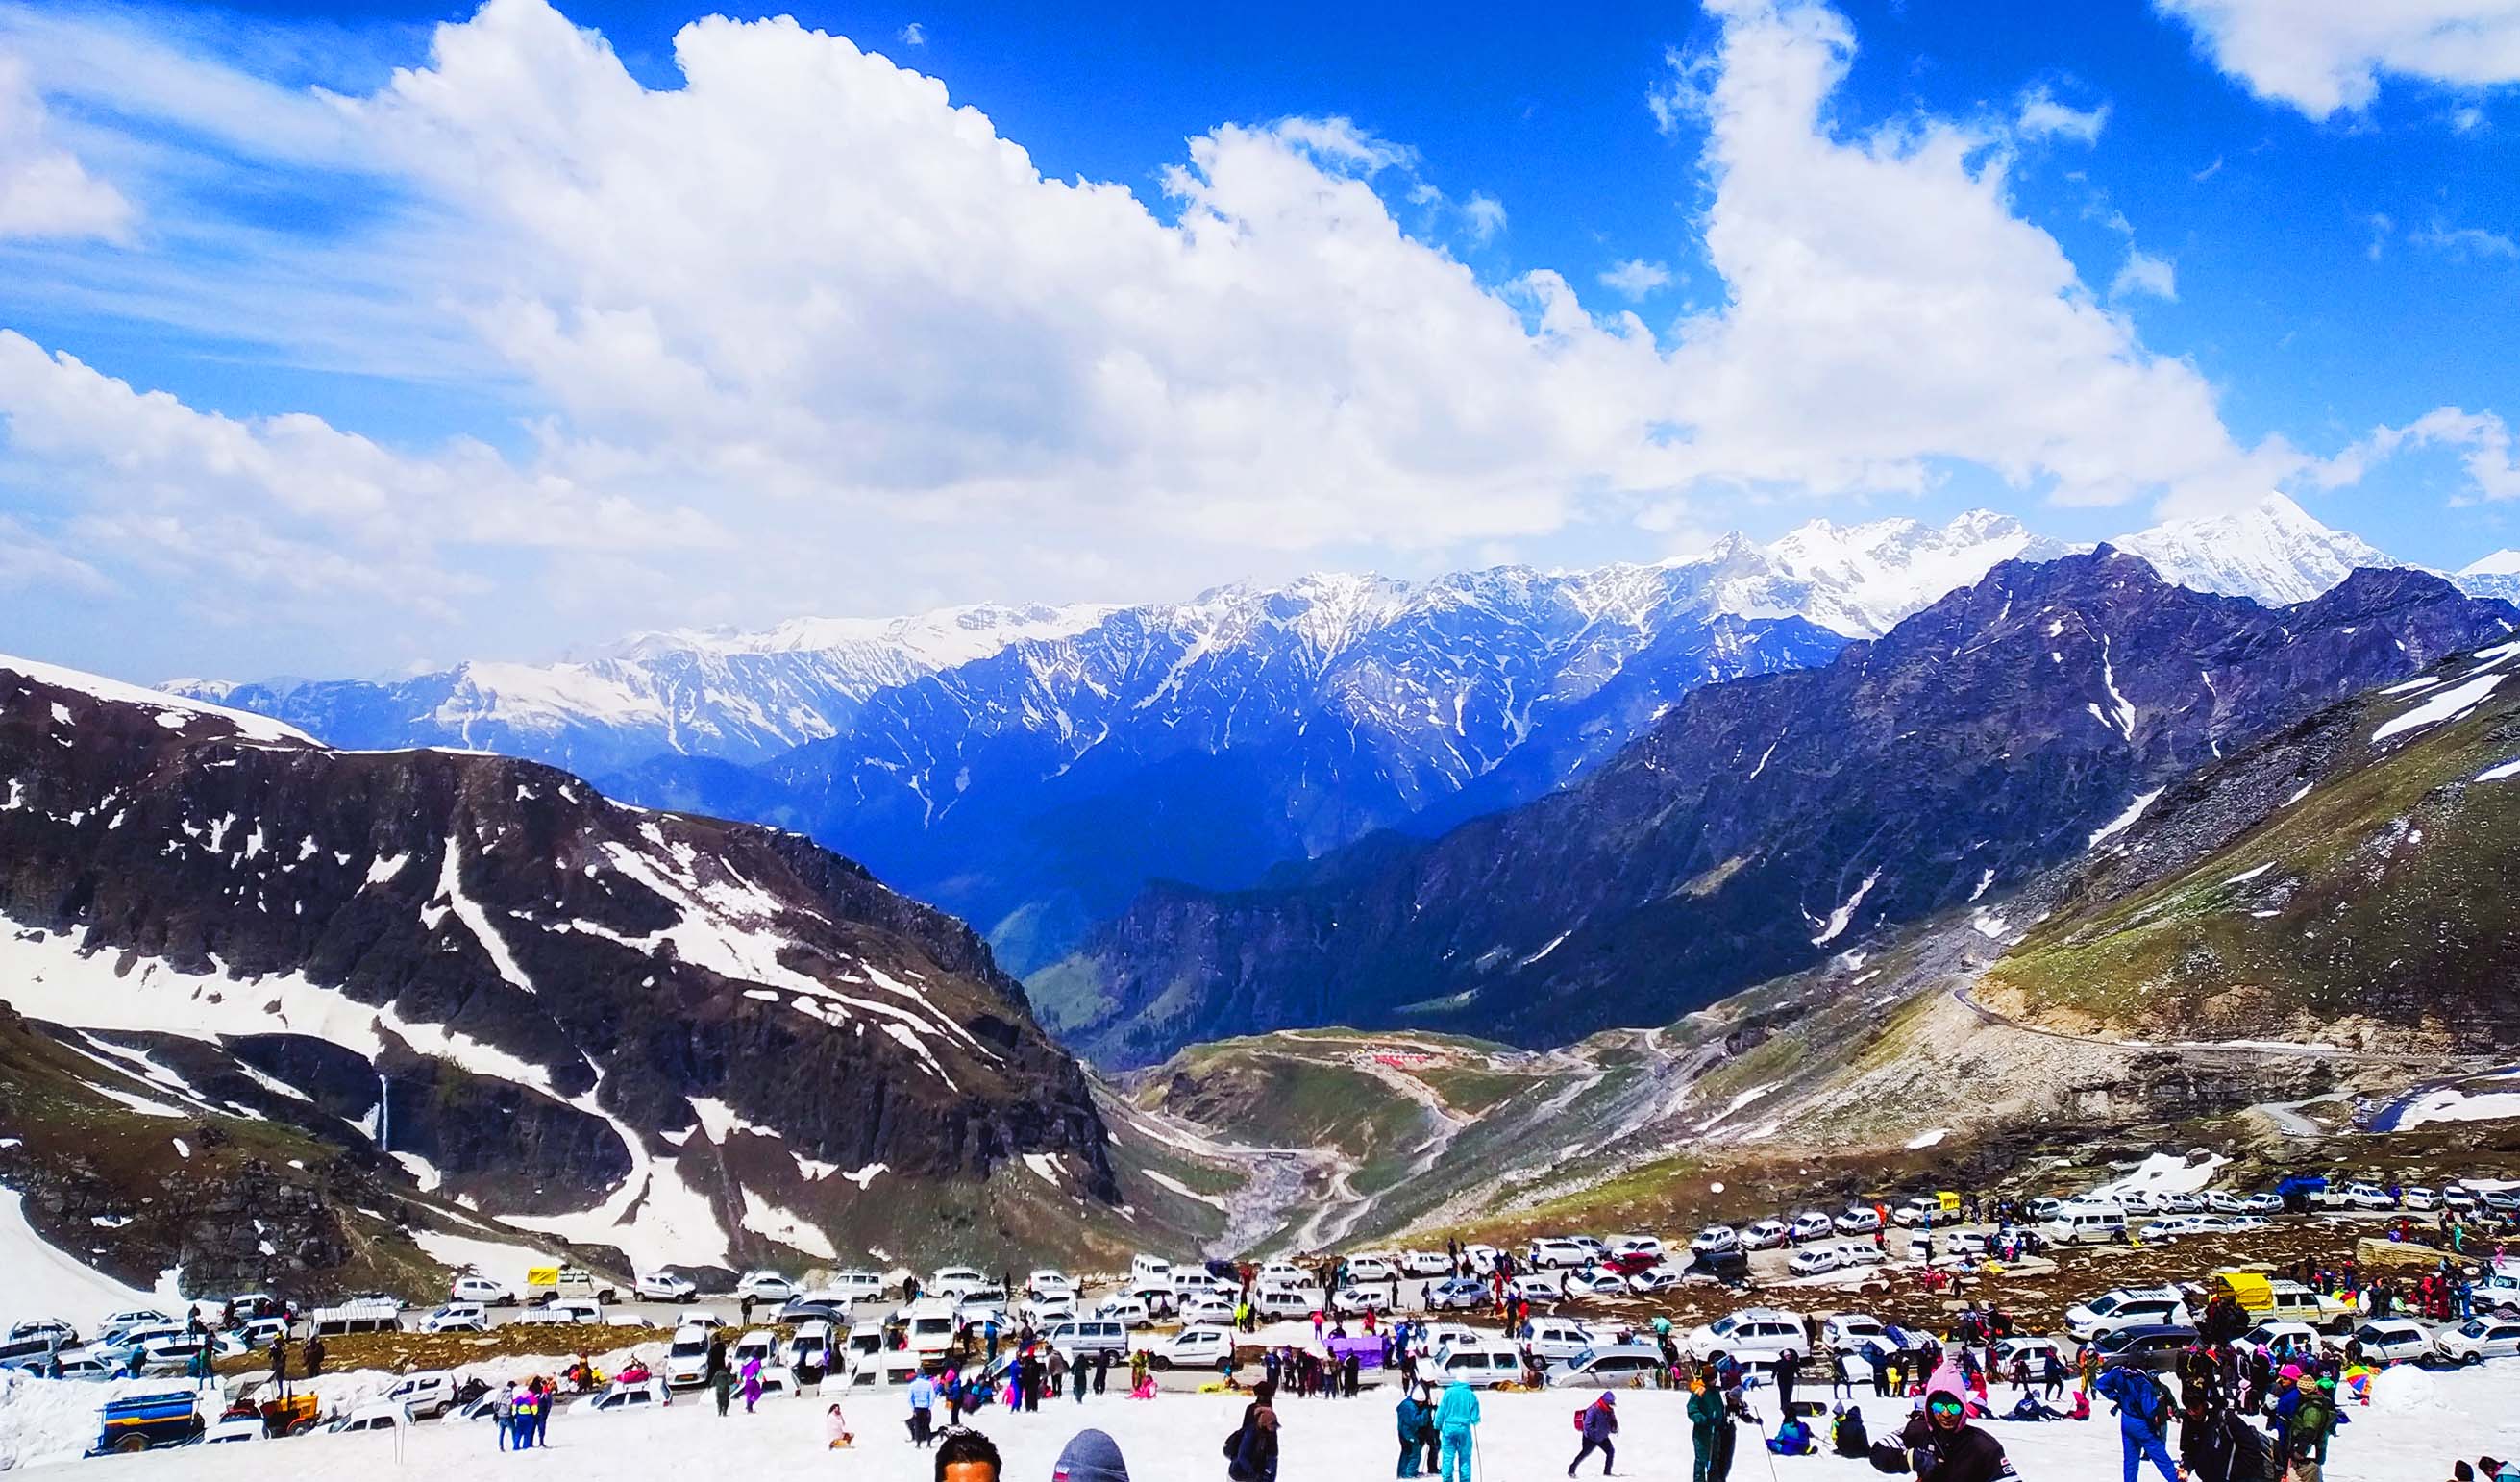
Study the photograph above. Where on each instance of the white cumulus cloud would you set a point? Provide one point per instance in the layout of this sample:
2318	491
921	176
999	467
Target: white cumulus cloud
2326	56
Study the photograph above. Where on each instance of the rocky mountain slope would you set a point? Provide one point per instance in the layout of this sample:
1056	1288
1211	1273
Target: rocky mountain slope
694	1042
1765	825
2345	883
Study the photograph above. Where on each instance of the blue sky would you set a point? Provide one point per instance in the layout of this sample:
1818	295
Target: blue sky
527	351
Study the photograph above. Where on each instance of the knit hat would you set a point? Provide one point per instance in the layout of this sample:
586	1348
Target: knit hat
1091	1457
2289	1372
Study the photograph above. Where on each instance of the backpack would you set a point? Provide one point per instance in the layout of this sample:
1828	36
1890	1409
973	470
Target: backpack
1579	1415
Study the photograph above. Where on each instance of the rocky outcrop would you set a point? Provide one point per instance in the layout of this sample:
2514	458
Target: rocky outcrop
557	998
1765	825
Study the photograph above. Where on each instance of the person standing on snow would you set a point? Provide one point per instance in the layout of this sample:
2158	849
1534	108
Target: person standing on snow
1413	1420
1599	1422
922	1409
2143	1418
1456	1424
1710	1427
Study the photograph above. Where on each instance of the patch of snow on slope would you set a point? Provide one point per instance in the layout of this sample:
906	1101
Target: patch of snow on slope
1184	1190
46	1281
2445	705
721	1120
2454	1106
2164	1173
2125	821
2496	774
1844	915
763	1218
1045	1166
862	1177
1928	1138
450	887
500	1261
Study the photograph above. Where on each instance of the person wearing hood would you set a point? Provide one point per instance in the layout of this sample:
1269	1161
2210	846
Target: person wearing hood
1849	1435
1599	1422
1414	1420
1457	1421
2144	1418
1090	1456
1942	1446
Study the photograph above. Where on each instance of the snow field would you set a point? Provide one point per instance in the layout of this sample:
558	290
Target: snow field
2417	1423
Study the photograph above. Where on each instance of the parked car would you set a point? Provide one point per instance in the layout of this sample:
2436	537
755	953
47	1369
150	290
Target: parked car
1090	1335
1654	1279
561	1311
2286	1339
2043	1207
2419	1199
642	1394
2124	1307
1049	1282
423	1396
1201	1311
1923	1209
1595	1283
1538	1292
481	1289
1616	1365
2366	1197
1815	1260
1859	1253
1852	1329
1357	1301
1715	1237
854	1287
1556	1339
2479	1338
1286	1301
1548	1253
2263	1203
1133	1312
1763	1235
2395	1340
1202	1347
1753	1330
1480	1363
1458	1294
454	1317
686	1358
375	1414
1810	1225
665	1287
1377	1270
2151	1346
2221	1201
1860	1218
1425	1263
2179	1202
765	1286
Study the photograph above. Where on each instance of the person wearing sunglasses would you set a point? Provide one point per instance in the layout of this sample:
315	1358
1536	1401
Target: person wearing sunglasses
1942	1446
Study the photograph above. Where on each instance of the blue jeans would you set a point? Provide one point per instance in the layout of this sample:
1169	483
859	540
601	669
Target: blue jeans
1457	1454
2140	1446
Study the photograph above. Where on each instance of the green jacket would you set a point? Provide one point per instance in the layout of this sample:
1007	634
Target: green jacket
1706	1414
2307	1435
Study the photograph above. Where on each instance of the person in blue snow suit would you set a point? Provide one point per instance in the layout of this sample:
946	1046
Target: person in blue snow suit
2144	1418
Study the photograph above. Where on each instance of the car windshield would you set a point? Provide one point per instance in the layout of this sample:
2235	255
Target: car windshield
2473	1328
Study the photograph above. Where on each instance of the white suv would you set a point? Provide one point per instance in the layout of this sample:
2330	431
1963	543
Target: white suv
1558	1252
2126	1308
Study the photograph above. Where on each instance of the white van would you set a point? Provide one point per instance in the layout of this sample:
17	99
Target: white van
850	1286
2086	1224
1149	1273
1286	1301
1088	1335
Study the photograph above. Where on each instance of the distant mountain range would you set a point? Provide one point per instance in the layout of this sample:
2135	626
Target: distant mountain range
1763	826
1033	768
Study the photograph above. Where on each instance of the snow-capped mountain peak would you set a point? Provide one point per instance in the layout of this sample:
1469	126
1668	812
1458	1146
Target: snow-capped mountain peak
2503	563
2273	551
